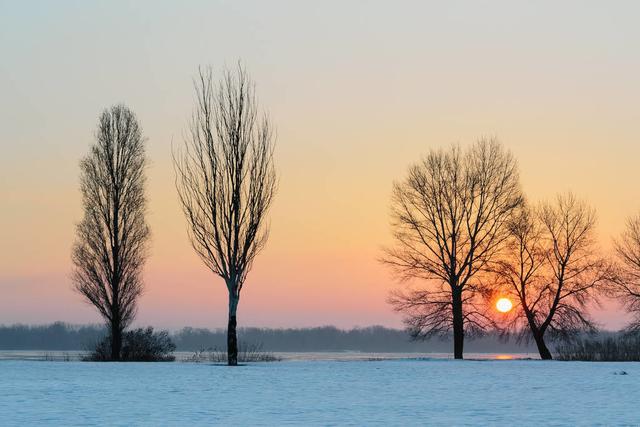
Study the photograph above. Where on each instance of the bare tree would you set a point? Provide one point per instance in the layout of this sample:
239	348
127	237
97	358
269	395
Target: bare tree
226	181
627	283
111	243
552	270
520	277
449	221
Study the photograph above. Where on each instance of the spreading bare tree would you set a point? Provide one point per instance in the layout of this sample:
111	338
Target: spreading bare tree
627	283
552	270
111	243
449	220
226	181
520	276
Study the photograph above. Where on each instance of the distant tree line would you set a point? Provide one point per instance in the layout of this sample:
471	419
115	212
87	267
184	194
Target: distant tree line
329	338
64	337
56	336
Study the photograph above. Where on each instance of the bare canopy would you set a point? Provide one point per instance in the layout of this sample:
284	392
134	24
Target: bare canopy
111	243
552	270
627	287
226	181
449	220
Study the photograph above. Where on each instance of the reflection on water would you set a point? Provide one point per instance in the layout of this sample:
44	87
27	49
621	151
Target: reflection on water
505	357
345	356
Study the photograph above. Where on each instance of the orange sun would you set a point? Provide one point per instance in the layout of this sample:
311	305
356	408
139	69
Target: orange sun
504	305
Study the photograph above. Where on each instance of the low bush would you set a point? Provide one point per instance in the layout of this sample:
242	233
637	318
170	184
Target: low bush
616	348
138	345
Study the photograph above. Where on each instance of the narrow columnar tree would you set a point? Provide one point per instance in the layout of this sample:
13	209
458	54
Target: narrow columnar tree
226	181
627	283
111	243
449	221
552	269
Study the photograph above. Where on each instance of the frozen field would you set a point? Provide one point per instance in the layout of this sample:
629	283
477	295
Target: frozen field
388	392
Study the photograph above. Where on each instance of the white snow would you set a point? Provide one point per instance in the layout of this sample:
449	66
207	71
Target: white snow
389	392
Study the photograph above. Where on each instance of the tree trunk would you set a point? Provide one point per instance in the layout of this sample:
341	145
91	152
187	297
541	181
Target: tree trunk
116	342
538	337
232	336
545	354
458	324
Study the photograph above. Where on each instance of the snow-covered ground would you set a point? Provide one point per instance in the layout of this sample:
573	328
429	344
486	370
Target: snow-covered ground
388	392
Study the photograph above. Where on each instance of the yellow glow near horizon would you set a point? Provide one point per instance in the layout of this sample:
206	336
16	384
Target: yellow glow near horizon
504	305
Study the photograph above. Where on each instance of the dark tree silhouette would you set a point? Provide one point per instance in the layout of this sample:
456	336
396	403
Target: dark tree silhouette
552	270
111	243
627	283
449	221
226	181
520	276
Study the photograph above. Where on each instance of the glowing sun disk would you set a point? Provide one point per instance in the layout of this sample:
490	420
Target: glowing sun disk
503	305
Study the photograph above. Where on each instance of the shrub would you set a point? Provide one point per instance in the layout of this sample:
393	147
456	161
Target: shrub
138	345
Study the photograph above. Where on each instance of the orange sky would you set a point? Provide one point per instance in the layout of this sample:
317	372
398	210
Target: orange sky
357	91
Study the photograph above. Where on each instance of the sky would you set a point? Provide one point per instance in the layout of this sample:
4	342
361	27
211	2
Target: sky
358	91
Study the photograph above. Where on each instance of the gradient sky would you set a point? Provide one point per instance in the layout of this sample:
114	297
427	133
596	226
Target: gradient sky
358	91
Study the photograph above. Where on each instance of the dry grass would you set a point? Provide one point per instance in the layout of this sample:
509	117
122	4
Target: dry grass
246	353
616	348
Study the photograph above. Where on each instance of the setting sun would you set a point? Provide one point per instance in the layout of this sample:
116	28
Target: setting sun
504	305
